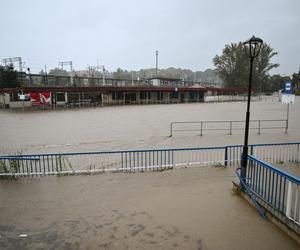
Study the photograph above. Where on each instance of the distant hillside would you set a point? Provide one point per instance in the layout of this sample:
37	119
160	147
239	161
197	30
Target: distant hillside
208	75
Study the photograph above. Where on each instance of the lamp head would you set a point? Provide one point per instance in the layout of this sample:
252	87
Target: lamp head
253	46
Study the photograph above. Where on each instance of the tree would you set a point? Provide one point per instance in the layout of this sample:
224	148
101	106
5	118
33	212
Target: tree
208	75
8	77
122	74
58	72
275	83
296	80
233	65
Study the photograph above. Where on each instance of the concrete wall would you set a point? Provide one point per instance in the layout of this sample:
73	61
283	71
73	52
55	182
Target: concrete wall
20	104
155	82
4	100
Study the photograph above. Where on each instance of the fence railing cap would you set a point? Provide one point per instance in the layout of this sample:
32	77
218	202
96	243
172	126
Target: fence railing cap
290	177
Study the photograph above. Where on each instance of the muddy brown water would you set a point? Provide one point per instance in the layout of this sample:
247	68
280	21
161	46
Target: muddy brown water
190	208
144	126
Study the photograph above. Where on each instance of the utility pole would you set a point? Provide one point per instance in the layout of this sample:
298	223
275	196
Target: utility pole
103	76
131	77
68	63
156	71
298	79
46	78
29	77
12	60
93	68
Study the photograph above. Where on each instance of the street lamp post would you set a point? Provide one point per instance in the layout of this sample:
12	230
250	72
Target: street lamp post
252	46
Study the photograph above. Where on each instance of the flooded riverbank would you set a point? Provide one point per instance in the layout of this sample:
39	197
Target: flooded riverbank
190	208
134	127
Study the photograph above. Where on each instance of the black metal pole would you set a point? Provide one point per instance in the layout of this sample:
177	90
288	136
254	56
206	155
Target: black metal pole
156	69
245	147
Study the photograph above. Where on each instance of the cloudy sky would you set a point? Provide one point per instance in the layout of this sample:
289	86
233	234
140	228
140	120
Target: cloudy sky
119	33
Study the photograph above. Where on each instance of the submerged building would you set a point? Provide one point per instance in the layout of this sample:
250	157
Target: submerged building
64	91
107	95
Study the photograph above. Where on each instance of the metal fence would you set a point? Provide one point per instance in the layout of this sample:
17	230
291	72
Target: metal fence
228	125
141	160
272	152
92	162
277	188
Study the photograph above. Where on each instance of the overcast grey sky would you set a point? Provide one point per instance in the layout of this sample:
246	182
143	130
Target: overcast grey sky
187	33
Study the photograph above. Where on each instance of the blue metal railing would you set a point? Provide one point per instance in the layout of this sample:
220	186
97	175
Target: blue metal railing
125	160
277	188
252	196
271	152
141	160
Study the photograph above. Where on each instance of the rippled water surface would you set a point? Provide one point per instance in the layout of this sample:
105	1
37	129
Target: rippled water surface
136	126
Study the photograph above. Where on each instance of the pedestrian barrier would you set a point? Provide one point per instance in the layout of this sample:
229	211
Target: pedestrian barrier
141	160
227	125
275	187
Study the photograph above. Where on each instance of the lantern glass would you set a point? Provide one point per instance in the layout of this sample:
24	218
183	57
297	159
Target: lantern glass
253	46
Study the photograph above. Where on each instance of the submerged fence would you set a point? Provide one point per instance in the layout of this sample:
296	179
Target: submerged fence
277	188
228	126
142	160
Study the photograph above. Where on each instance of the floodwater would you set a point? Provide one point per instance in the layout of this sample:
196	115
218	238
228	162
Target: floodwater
136	127
191	208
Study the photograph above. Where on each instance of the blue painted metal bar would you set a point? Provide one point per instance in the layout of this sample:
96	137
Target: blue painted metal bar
283	195
148	150
226	156
276	170
270	185
251	195
152	158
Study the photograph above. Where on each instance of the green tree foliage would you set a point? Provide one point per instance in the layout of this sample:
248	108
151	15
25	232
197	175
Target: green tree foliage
296	80
58	72
8	77
233	66
121	74
275	83
208	75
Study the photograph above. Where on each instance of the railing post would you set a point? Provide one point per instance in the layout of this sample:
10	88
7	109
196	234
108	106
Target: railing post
287	118
173	158
289	200
259	127
298	158
122	162
201	129
226	157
